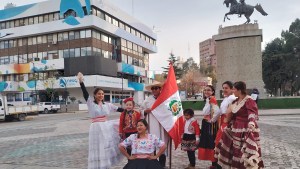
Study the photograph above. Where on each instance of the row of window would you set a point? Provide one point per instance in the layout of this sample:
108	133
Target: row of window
53	38
30	76
30	20
67	53
103	15
56	16
11	97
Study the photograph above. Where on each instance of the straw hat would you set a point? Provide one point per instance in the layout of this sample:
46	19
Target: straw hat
155	83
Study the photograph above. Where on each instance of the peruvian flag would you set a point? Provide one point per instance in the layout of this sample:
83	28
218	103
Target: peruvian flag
168	108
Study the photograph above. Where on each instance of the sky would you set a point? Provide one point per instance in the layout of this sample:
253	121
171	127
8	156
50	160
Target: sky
182	24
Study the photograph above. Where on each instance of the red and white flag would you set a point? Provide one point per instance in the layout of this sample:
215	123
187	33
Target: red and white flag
168	108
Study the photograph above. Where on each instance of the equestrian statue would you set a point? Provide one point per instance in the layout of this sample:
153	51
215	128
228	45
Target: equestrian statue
241	8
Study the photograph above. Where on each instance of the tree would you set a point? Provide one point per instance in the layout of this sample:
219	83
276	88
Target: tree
281	62
178	72
210	71
188	65
190	82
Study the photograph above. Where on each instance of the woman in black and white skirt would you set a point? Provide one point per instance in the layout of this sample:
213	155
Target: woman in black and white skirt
103	136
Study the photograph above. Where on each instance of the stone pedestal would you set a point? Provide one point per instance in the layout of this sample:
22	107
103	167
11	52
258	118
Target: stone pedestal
239	56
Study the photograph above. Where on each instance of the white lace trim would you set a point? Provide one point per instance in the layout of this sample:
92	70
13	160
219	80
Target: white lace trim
252	116
237	106
257	130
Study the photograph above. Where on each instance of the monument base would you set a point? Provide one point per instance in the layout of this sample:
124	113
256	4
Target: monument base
239	56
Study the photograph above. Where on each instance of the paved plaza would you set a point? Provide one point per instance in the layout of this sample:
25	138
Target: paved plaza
60	141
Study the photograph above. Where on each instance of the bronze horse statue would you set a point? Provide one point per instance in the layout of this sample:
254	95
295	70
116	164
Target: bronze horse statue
242	9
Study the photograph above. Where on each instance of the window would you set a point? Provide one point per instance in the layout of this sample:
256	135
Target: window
56	16
46	18
66	53
41	19
36	20
10	97
89	51
88	33
121	25
2	45
77	34
65	35
107	18
26	21
71	35
105	53
39	39
17	22
72	53
34	40
20	42
82	34
30	57
26	96
51	18
60	36
44	39
77	52
83	51
129	60
24	41
104	38
18	97
50	38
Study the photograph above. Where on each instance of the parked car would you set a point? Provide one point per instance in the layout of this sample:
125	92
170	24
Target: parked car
46	107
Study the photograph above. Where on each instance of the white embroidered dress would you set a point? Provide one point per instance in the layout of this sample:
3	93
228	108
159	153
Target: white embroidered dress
103	137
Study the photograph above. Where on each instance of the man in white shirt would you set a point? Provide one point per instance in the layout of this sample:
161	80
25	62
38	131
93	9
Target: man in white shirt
154	126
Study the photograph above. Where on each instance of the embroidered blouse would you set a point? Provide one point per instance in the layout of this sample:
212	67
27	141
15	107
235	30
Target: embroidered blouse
211	109
143	145
96	110
128	121
191	126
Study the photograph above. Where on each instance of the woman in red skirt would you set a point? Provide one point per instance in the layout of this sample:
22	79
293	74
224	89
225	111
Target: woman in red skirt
228	99
240	146
209	127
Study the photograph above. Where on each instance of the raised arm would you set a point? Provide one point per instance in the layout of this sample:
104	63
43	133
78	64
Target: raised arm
84	91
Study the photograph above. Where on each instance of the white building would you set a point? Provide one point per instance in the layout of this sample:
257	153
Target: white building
44	45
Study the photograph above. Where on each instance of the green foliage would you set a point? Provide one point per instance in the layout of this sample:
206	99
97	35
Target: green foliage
178	71
188	65
73	99
280	62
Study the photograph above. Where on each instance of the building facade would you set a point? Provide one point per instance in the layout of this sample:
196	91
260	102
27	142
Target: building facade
44	45
208	52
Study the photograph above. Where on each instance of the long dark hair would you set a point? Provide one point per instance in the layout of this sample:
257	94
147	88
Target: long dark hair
229	83
145	123
240	86
212	89
95	92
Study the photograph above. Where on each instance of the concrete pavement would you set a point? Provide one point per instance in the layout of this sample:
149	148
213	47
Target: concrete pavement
60	141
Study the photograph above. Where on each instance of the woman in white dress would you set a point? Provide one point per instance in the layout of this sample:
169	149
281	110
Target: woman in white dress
103	137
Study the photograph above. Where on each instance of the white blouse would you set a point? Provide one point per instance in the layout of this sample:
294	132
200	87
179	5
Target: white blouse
143	145
96	110
226	102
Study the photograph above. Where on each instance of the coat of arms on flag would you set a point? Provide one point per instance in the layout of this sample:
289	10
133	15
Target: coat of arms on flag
168	108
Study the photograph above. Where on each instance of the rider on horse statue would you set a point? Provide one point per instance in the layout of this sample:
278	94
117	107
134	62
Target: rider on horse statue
241	8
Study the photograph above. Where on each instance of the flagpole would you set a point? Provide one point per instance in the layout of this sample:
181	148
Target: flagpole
170	157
